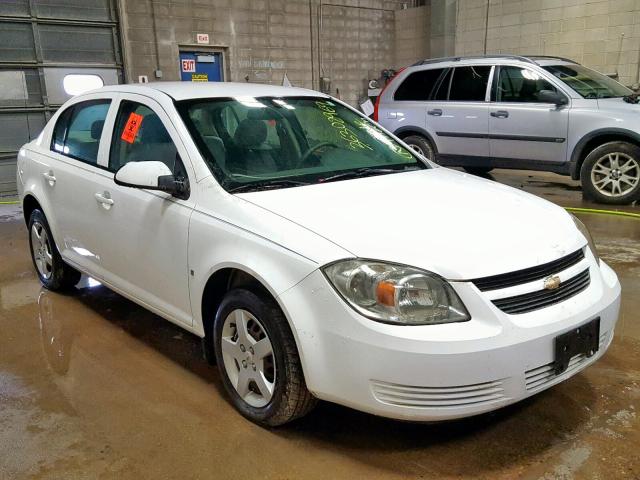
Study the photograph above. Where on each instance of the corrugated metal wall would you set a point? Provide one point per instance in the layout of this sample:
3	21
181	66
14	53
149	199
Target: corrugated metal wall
41	41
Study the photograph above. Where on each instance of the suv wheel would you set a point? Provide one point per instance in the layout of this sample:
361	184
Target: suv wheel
421	145
611	173
53	272
258	359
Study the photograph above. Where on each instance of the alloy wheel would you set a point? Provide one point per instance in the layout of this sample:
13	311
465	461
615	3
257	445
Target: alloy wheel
41	249
416	148
615	174
248	359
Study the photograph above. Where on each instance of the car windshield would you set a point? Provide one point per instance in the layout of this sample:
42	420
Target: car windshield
587	82
267	142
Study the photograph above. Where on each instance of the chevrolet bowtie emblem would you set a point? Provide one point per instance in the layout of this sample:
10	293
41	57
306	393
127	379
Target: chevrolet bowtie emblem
552	282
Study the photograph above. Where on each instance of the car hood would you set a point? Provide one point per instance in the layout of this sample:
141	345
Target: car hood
444	221
618	103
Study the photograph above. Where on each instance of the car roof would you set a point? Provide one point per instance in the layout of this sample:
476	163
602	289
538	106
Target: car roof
189	90
540	60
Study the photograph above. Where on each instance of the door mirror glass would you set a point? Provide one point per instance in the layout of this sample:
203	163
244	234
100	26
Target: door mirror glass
551	96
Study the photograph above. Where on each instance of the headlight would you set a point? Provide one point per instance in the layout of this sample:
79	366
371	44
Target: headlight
396	293
585	231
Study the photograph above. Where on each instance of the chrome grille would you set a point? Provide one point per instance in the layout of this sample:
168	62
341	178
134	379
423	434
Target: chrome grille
529	302
527	275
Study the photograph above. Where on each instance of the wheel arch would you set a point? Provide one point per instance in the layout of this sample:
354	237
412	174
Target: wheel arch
29	204
221	281
404	132
593	140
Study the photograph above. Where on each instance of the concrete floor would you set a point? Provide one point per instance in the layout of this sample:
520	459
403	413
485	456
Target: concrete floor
93	386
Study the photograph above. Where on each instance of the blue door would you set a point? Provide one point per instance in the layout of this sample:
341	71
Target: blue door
200	67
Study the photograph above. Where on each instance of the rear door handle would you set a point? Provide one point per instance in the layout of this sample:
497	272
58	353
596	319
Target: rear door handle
436	112
104	199
50	177
500	114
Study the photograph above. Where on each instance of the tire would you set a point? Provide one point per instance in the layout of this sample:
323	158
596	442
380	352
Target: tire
240	368
478	170
610	174
422	146
52	271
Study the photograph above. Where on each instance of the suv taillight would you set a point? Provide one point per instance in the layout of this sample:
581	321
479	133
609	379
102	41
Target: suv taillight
376	107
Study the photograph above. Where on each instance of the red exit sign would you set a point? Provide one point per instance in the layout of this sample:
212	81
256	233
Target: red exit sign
202	37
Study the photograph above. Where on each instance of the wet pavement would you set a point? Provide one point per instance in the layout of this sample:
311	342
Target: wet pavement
93	386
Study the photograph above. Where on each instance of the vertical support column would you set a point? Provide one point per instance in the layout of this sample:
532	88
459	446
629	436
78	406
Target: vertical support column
443	27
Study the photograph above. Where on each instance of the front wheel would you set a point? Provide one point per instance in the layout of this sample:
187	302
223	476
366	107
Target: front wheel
422	146
53	272
258	359
611	173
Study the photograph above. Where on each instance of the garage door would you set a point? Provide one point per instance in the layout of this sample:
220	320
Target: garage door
41	42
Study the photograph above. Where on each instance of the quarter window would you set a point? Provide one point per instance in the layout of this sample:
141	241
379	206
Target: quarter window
418	85
520	85
469	83
78	130
140	136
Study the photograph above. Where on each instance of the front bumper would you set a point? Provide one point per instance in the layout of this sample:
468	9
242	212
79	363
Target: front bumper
438	372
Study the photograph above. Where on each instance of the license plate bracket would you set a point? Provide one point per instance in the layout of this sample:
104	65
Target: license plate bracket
584	339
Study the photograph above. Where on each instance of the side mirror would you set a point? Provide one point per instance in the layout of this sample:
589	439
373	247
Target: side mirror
151	176
550	96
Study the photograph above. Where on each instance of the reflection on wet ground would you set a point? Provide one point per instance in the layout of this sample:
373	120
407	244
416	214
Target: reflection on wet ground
93	386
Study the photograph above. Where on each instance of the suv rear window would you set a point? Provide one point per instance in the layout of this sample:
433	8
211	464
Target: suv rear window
418	85
469	83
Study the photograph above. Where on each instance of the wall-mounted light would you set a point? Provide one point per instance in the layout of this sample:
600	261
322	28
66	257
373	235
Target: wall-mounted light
75	84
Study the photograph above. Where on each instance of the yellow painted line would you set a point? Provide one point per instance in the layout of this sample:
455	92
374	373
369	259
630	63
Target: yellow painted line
603	212
15	202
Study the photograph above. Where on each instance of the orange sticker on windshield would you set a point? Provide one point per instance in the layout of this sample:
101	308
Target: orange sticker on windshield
131	128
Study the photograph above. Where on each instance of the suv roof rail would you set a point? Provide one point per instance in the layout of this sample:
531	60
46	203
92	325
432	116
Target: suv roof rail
550	57
471	57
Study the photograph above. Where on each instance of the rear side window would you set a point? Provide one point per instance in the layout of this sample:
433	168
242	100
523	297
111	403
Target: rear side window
418	85
469	83
78	130
443	88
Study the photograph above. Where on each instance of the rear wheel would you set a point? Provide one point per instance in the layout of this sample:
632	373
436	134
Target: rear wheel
53	272
422	146
611	173
258	359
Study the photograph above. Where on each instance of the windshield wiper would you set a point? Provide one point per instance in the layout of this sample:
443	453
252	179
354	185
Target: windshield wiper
273	184
633	98
363	172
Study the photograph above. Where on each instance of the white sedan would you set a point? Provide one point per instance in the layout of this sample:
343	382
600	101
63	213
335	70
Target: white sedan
316	255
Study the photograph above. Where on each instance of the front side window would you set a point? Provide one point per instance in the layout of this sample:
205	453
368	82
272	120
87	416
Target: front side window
520	85
418	85
588	83
140	136
78	130
469	83
281	142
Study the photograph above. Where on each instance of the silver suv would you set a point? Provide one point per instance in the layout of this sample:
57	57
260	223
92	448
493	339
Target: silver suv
534	113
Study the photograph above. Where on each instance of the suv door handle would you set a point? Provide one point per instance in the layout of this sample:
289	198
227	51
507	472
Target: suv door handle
50	177
436	112
500	114
104	199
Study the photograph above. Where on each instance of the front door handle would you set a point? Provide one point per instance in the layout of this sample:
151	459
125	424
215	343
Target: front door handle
50	177
104	199
436	112
500	114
